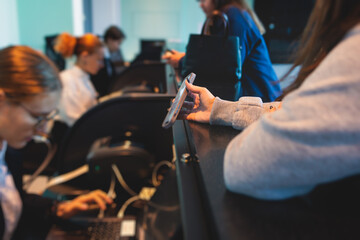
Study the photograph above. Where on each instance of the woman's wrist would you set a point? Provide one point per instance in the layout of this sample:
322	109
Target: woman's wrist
211	103
222	112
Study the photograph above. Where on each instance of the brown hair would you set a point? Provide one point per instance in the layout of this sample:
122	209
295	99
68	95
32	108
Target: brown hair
68	45
113	32
25	73
329	21
242	5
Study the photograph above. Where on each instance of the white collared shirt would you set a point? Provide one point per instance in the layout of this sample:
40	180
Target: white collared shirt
11	203
78	94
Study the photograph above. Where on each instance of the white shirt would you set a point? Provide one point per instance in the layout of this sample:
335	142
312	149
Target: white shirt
9	197
78	94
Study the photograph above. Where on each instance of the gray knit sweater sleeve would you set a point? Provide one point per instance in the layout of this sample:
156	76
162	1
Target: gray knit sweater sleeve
314	138
239	114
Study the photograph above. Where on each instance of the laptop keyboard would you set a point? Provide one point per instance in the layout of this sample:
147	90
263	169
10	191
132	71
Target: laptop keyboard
104	228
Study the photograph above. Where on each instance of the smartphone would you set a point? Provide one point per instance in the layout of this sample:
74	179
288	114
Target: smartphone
178	102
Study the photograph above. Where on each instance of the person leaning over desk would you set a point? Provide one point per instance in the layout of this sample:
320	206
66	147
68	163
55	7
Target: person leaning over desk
258	76
313	135
79	93
30	90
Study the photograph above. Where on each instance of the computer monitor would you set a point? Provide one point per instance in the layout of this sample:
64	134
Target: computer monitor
150	50
148	77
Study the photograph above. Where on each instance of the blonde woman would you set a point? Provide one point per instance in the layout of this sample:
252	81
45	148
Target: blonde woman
79	93
30	91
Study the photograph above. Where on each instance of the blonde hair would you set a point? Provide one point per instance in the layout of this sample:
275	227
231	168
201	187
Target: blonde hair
68	45
25	73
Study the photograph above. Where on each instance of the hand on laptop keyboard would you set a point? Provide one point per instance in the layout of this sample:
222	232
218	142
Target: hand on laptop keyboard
83	203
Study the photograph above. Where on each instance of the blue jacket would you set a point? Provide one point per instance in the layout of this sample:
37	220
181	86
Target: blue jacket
258	76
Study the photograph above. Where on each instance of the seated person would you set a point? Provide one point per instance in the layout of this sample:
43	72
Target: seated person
114	62
113	38
30	91
258	76
79	93
313	135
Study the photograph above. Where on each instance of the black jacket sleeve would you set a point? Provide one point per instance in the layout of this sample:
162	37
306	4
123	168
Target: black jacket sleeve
37	210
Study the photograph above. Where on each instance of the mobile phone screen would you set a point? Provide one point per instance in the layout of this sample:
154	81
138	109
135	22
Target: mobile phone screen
178	102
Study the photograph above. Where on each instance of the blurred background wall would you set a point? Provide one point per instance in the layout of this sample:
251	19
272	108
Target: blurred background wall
27	22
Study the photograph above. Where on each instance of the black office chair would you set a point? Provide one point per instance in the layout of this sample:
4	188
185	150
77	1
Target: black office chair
146	77
134	120
52	54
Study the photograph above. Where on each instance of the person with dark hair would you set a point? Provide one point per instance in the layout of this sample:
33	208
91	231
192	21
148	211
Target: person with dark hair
113	38
258	76
313	135
113	61
30	91
79	93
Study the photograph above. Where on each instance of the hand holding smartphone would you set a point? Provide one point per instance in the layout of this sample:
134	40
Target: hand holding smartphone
178	102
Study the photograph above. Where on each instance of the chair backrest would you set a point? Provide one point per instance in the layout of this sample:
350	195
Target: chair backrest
52	54
134	117
102	80
151	75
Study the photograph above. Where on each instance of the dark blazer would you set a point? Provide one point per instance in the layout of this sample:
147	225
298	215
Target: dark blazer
36	215
103	79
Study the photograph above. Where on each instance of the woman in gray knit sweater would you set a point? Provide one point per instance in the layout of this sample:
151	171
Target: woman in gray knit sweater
313	135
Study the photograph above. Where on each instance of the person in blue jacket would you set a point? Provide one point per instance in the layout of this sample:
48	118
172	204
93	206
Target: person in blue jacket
311	137
258	76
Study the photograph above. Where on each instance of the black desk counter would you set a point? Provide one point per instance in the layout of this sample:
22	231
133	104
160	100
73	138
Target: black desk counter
209	211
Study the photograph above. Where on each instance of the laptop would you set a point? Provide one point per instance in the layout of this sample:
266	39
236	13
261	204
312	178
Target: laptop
95	228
